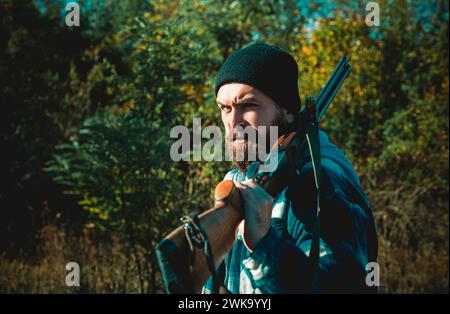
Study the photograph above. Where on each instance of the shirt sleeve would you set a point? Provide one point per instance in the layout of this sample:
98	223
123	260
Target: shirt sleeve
281	265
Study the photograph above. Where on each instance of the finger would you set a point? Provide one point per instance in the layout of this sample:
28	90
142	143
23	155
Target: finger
250	183
239	185
245	190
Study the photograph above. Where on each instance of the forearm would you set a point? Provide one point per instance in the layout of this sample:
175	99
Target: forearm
277	265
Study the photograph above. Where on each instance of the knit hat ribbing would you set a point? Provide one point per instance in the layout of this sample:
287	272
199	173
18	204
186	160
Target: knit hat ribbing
268	68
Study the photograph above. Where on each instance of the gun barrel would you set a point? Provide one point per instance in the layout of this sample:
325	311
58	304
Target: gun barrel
332	86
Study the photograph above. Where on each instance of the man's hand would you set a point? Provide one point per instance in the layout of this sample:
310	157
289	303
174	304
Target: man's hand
258	212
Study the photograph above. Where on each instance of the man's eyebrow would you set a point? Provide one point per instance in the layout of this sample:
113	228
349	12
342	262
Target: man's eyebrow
242	101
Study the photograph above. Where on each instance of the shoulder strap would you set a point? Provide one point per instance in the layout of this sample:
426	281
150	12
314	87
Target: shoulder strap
312	136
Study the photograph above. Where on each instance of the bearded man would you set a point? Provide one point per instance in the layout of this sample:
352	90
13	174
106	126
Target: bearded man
257	86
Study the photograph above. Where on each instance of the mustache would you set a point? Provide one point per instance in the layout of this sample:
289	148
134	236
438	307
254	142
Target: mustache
237	134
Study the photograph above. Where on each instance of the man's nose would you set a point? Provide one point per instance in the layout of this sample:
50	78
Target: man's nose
236	118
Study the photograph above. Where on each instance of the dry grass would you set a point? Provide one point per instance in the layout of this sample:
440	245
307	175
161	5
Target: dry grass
413	253
413	239
104	267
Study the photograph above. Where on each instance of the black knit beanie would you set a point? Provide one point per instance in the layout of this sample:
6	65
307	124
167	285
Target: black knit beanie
266	67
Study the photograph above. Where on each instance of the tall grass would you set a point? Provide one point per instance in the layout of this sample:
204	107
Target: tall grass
106	266
413	254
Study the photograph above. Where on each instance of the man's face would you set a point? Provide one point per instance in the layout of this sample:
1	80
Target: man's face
243	105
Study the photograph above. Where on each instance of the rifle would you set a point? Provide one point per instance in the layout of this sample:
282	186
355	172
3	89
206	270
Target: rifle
193	251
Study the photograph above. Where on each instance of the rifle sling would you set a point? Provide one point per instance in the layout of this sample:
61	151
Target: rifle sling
312	136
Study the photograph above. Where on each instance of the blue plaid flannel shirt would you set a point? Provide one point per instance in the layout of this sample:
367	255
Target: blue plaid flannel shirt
348	240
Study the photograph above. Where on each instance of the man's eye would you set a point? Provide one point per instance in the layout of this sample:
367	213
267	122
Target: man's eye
225	108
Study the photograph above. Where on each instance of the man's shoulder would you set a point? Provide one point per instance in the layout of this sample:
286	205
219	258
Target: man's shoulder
338	179
336	167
